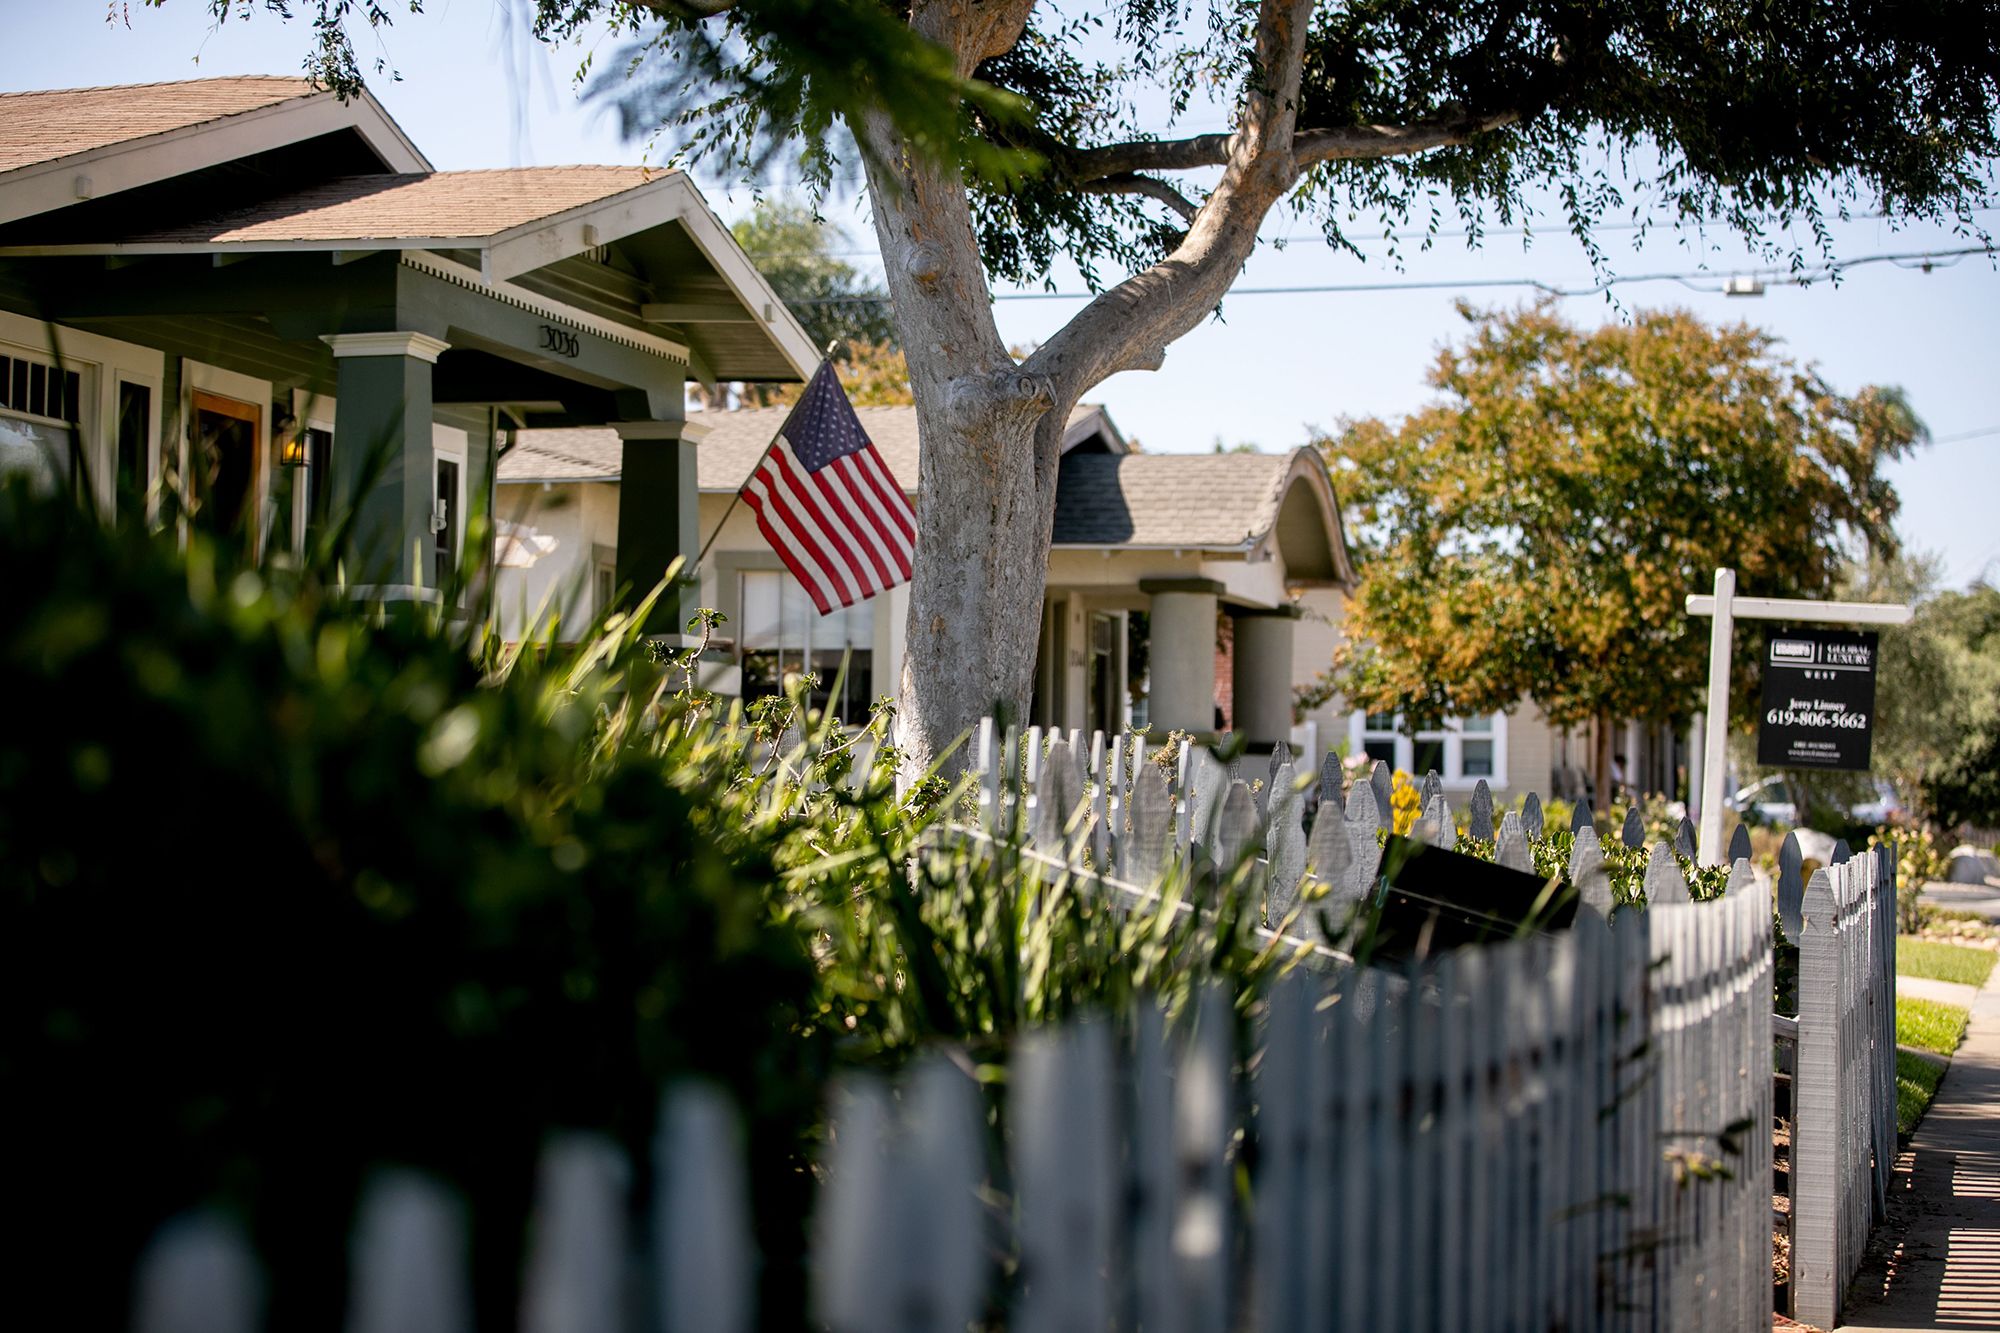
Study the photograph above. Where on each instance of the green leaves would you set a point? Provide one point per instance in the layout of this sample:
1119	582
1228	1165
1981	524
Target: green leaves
780	86
1532	534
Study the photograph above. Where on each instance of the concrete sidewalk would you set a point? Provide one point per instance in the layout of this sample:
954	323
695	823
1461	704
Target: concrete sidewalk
1935	1262
1945	992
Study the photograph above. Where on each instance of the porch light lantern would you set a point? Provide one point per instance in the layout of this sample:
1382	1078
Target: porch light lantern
291	441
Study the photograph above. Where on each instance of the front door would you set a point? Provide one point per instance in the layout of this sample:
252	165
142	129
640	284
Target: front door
227	464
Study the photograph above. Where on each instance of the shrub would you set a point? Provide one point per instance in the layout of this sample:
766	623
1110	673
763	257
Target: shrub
288	889
291	888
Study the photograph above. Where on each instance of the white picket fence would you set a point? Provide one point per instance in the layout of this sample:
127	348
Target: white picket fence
1131	818
1569	1130
1844	1085
1517	1137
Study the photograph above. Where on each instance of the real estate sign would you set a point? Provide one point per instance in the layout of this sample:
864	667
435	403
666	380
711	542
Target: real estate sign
1819	699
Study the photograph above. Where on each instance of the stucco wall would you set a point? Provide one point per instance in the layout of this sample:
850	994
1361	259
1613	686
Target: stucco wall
1530	747
1323	610
546	569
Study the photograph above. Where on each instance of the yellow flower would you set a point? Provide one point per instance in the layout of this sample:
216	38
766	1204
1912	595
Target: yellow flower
1404	802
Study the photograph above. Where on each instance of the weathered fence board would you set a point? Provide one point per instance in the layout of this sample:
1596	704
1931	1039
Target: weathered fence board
1843	1090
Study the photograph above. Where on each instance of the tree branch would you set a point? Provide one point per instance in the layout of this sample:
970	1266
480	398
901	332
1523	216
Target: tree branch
1150	186
1311	146
1126	326
1123	159
688	9
1367	141
972	30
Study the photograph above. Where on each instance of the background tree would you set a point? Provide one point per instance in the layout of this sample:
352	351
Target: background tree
1965	790
1533	533
1938	680
801	255
999	135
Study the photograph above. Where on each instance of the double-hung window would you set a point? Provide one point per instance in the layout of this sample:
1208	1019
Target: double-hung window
40	412
781	633
1461	752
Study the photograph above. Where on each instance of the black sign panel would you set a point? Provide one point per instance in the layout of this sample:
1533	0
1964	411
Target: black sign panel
1432	900
1819	699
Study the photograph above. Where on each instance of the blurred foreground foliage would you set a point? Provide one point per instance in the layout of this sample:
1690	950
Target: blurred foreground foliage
293	887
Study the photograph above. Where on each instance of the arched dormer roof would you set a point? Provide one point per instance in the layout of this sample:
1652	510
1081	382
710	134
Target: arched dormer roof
1306	527
1255	506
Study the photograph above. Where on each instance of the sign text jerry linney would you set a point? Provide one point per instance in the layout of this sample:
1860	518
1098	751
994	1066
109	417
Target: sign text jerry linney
1819	699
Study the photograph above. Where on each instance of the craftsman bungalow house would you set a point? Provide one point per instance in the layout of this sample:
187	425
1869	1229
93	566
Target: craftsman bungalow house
245	304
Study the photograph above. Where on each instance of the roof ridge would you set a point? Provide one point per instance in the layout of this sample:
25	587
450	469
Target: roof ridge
298	79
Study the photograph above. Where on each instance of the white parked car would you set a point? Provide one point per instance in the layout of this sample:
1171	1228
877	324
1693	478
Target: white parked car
1769	801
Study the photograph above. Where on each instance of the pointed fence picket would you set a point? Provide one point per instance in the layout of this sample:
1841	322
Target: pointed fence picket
1568	1130
1844	1087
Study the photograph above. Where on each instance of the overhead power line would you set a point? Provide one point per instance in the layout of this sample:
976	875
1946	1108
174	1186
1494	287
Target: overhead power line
1413	234
1956	436
1710	281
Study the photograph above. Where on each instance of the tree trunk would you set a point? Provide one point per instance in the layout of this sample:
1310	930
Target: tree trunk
991	431
980	572
990	436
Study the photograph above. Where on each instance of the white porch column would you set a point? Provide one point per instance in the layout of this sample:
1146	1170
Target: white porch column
1262	688
1182	657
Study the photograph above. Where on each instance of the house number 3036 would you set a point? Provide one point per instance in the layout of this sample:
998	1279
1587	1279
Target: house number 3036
560	341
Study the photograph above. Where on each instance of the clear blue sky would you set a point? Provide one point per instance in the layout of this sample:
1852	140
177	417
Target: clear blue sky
477	92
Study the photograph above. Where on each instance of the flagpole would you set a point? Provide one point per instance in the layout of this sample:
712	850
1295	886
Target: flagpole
826	360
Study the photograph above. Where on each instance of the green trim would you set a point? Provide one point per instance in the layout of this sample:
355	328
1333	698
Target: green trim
1287	611
1212	587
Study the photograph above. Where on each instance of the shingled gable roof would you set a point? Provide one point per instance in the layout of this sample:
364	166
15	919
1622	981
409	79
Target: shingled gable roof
60	146
50	125
730	443
440	208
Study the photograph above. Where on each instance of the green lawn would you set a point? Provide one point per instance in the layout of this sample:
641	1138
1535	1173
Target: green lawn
1929	1025
1942	962
1916	1083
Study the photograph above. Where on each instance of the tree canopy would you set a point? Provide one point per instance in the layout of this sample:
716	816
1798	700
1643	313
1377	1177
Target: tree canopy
1939	676
1758	115
1533	533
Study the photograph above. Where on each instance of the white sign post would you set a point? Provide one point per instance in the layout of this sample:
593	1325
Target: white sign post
1727	608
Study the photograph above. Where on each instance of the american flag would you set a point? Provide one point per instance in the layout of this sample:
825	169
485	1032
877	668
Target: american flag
828	504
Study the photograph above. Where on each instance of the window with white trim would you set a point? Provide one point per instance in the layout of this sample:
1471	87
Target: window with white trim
40	416
781	633
1462	751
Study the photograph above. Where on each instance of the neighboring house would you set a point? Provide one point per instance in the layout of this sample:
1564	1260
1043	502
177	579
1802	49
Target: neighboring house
1157	561
1182	588
260	302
